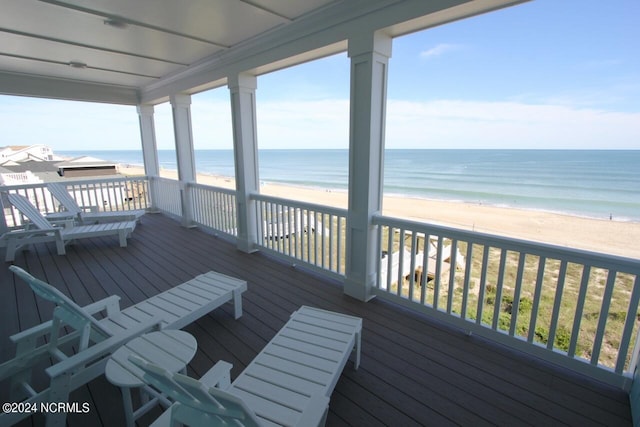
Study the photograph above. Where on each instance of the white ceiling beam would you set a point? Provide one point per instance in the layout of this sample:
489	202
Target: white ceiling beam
47	87
317	35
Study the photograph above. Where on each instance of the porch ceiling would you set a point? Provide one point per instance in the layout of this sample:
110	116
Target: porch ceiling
131	52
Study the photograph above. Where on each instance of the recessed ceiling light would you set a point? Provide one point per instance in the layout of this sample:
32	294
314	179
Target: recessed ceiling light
116	23
77	64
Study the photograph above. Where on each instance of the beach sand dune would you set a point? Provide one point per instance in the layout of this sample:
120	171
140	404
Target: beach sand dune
606	236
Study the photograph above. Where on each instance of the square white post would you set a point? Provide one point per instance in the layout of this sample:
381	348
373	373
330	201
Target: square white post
181	107
242	89
369	55
149	149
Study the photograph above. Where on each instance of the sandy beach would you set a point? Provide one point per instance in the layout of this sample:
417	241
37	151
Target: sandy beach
607	236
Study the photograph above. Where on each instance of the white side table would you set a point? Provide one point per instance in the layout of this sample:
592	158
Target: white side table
171	349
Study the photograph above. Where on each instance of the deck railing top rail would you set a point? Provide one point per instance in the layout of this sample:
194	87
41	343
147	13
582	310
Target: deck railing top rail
596	259
576	308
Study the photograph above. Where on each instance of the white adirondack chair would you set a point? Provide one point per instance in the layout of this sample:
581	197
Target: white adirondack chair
288	383
91	339
41	230
87	217
94	339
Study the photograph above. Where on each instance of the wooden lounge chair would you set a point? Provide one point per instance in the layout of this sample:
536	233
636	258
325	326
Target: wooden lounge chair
288	383
41	230
72	209
94	340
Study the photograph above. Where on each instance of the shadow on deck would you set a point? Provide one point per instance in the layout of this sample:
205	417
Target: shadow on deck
414	371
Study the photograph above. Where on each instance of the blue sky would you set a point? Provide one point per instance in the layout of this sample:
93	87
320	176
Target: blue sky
544	74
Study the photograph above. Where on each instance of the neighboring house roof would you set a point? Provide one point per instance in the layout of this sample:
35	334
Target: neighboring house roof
33	166
84	162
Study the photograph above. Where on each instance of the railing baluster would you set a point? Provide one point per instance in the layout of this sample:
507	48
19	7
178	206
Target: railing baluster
604	315
338	244
309	235
389	261
436	284
412	267
582	295
515	305
499	285
629	323
425	269
553	326
483	284
537	295
452	274
467	278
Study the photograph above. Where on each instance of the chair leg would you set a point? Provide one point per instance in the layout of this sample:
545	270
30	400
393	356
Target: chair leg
60	247
358	344
59	392
11	250
237	304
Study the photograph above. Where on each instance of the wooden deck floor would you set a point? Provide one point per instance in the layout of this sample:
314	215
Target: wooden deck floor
414	371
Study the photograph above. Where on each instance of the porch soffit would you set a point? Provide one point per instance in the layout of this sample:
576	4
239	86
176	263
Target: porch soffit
126	52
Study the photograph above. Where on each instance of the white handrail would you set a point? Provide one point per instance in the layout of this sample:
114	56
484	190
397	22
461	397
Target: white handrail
106	194
576	308
214	207
307	233
573	307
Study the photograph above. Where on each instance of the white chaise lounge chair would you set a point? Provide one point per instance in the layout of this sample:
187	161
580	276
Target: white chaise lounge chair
288	383
41	230
91	217
94	340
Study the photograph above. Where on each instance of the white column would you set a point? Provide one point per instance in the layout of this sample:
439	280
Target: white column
148	138
149	150
369	55
181	107
242	89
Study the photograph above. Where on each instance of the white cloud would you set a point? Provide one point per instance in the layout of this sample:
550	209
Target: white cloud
304	124
439	50
469	124
67	125
325	124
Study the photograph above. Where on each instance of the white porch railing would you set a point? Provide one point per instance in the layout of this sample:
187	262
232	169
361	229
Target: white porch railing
214	207
210	207
112	194
307	233
165	194
575	308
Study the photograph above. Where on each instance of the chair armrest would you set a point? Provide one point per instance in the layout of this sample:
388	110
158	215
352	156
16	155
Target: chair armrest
218	376
107	303
24	233
101	350
60	216
90	209
63	223
315	413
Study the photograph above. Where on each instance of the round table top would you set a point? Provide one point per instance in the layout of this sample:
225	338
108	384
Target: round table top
170	349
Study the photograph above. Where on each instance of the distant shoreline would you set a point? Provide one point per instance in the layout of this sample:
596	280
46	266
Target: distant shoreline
574	183
599	235
411	197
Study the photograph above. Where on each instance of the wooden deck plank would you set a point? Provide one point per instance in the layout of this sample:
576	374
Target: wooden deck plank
414	371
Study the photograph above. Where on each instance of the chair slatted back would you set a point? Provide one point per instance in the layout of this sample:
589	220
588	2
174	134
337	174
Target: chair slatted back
197	405
62	195
66	310
26	208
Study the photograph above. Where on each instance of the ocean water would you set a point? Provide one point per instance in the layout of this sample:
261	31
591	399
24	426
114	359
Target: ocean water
591	183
